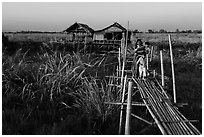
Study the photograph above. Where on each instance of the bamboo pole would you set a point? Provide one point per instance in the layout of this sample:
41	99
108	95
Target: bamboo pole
162	68
172	67
117	74
176	126
142	119
119	62
138	104
128	110
150	111
152	101
122	75
151	54
155	105
181	126
196	131
170	118
164	92
122	106
154	73
147	61
122	43
123	67
161	109
127	36
124	47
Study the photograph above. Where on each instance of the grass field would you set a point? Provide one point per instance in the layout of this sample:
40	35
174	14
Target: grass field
37	37
175	37
157	37
50	91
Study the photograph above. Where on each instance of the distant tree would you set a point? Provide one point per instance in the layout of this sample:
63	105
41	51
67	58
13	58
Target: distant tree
188	31
197	31
177	31
150	31
136	31
162	31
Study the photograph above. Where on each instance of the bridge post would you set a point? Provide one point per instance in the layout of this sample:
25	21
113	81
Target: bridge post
119	62
154	73
122	106
127	34
123	51
162	68
147	61
151	53
172	68
117	74
128	109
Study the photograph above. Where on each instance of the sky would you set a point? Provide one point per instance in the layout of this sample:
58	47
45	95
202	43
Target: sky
57	16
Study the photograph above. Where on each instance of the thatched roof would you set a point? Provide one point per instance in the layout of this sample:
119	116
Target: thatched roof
115	25
78	25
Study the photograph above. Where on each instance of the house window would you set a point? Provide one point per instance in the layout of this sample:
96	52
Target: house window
117	35
108	36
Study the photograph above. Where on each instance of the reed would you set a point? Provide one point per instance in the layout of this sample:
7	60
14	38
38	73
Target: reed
55	85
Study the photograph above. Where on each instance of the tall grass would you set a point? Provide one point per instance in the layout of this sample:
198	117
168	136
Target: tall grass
54	92
51	90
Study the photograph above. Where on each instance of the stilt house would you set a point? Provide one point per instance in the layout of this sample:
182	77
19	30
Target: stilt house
79	32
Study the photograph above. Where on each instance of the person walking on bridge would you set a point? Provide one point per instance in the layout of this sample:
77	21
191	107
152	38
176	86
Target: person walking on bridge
139	59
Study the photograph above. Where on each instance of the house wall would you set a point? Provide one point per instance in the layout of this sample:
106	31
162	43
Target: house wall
79	36
70	37
113	29
98	36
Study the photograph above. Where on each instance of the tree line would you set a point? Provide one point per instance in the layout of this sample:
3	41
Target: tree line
134	31
165	31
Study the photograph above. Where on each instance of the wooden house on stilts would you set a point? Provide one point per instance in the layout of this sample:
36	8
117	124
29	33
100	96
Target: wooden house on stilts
113	32
79	32
80	35
110	36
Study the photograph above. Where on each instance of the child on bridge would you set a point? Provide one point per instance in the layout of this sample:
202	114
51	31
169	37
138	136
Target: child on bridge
141	52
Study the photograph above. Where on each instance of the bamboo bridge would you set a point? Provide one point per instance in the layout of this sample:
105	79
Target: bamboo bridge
164	113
